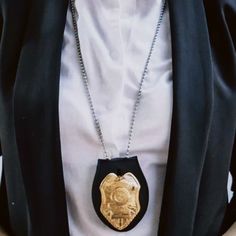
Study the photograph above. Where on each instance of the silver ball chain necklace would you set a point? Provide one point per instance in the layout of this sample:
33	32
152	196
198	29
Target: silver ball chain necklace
120	192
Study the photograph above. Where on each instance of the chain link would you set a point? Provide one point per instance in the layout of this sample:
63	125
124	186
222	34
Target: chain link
85	78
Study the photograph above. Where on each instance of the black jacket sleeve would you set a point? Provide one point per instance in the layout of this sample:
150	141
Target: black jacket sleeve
232	209
229	18
230	214
221	19
4	214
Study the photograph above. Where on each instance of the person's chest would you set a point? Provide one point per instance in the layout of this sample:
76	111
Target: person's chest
115	40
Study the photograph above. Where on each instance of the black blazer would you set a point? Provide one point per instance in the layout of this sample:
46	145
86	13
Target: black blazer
32	201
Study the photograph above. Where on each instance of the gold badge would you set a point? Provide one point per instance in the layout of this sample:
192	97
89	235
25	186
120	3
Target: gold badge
120	199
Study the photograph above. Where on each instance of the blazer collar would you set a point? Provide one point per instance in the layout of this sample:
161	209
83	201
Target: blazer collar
192	112
37	122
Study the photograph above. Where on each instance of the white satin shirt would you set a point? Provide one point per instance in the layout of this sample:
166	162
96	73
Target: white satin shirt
115	39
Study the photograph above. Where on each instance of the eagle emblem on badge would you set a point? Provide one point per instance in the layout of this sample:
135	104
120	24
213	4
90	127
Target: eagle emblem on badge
120	199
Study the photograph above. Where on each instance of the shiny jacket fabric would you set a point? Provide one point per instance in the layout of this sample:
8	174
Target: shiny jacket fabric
202	144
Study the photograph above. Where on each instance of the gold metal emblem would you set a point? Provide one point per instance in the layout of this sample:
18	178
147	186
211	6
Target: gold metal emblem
120	199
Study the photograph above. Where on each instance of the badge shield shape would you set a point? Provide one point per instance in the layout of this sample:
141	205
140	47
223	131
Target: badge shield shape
120	199
120	193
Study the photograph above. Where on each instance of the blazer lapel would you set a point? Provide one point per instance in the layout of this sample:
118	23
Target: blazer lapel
192	111
36	117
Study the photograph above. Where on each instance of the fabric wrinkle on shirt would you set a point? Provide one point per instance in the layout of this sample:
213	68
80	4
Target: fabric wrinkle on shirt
115	39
